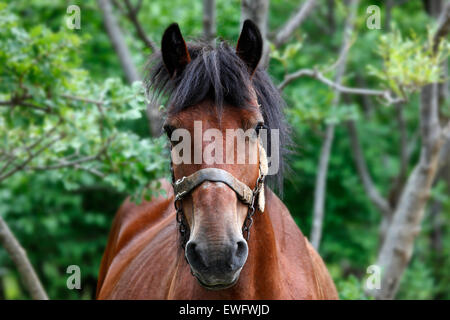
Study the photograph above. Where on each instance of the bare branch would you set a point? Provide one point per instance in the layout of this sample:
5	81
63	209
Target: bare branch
443	26
293	23
10	158
444	156
363	172
19	257
82	99
92	171
399	181
384	94
64	164
118	41
118	5
132	14
31	157
20	102
138	6
320	186
446	131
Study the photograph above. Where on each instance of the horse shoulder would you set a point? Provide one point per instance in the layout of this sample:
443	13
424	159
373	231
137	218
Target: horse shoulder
306	274
325	283
131	220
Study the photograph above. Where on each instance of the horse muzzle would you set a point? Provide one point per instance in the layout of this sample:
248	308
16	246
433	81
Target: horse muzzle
217	266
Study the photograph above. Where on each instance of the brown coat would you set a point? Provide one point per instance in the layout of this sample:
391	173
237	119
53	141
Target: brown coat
143	258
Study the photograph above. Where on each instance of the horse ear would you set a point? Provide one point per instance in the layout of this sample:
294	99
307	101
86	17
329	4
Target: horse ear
250	45
174	50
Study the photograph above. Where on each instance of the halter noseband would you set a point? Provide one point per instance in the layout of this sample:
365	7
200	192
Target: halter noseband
185	185
246	195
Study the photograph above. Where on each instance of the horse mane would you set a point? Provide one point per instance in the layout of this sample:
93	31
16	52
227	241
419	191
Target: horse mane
218	74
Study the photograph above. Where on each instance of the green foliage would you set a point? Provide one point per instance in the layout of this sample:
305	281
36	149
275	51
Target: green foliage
417	282
67	140
71	81
410	63
288	54
59	116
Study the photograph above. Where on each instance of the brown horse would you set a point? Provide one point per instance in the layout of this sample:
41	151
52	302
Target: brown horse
217	204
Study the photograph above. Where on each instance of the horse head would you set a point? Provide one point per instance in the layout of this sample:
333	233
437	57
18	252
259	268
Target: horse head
214	119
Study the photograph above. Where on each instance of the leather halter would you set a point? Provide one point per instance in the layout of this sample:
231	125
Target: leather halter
246	195
185	185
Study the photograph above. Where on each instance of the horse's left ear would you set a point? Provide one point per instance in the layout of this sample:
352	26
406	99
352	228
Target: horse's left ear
174	50
250	45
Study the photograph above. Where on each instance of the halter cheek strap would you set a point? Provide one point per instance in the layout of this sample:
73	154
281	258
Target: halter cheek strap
263	170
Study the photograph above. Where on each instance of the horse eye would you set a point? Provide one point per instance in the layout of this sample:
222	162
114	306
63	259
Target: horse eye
260	126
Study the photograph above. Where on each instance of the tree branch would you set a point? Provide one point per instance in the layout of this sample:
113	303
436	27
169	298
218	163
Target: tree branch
293	23
19	257
399	180
363	172
118	41
115	34
30	158
64	163
384	94
443	28
320	186
82	99
20	101
132	14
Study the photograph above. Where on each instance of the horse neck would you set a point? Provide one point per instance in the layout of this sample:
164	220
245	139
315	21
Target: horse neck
262	268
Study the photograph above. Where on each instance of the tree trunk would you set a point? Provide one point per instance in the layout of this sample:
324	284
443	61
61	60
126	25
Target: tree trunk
209	21
320	187
395	254
294	22
118	41
19	257
126	61
398	246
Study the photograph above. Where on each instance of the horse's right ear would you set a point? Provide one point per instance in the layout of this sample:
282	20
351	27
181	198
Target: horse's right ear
174	50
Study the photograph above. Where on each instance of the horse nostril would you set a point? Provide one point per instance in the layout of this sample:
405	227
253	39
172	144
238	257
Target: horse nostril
210	259
194	255
239	255
241	248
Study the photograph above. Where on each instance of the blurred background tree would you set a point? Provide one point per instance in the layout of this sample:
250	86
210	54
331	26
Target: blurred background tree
84	85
